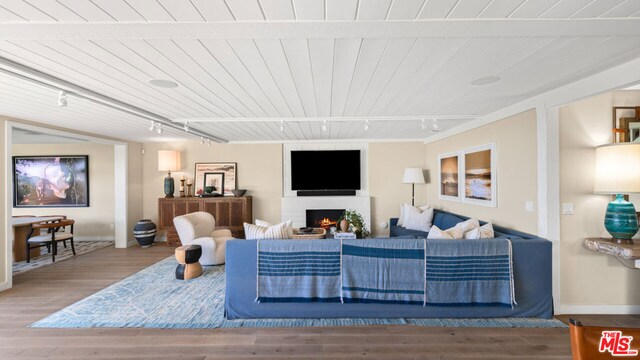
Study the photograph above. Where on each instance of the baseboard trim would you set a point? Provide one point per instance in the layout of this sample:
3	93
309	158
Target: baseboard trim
94	238
599	309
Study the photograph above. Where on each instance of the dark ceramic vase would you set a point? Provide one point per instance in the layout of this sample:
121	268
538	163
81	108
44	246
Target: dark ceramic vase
145	232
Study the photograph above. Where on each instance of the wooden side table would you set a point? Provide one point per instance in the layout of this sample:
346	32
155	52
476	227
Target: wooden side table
630	253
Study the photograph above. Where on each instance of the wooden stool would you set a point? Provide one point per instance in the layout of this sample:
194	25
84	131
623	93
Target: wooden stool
189	267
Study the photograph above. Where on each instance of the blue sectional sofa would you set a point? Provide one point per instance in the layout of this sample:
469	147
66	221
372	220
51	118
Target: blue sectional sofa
531	269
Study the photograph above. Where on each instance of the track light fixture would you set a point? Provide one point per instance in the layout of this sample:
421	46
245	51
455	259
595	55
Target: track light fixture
201	140
62	99
435	127
281	125
423	124
366	125
186	126
209	142
153	126
324	125
159	129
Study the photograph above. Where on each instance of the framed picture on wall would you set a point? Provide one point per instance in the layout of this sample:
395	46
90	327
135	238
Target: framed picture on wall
51	181
448	176
214	183
479	164
229	178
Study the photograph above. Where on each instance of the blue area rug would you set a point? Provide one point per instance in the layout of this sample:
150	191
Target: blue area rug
153	298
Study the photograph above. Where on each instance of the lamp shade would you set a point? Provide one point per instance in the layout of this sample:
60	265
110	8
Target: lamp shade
413	176
168	160
617	169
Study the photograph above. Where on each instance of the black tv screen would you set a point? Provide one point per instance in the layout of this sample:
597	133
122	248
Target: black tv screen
325	170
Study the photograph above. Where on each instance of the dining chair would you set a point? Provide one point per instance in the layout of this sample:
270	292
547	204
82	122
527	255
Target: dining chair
51	238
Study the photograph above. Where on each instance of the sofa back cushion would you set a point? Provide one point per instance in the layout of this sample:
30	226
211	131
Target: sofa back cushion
446	220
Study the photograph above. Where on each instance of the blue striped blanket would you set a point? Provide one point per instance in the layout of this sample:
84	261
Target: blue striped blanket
396	271
383	271
298	271
469	272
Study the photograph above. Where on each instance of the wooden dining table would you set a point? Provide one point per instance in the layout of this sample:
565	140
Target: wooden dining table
22	225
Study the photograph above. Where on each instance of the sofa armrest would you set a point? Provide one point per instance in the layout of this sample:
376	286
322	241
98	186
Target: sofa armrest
221	233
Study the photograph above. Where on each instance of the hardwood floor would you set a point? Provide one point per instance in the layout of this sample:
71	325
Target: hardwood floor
42	292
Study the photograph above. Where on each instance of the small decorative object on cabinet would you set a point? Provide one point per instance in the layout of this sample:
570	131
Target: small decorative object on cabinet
344	225
229	212
238	192
168	160
145	232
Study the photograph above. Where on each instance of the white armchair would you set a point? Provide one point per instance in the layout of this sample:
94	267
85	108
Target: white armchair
198	228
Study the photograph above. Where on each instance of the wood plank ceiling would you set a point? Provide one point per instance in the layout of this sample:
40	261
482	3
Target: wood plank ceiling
275	70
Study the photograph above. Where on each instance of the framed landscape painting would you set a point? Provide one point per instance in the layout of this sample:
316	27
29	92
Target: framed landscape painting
448	176
51	181
479	164
227	169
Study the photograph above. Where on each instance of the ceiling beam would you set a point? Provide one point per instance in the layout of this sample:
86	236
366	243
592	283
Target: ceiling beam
323	29
328	119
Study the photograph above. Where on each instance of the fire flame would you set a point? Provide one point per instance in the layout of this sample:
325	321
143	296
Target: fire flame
327	223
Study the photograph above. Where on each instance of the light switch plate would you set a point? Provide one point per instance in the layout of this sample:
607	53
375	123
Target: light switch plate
567	208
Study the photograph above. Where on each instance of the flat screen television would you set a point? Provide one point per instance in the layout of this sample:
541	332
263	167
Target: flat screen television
317	170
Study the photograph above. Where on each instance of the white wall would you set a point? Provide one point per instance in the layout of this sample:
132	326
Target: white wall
95	222
590	280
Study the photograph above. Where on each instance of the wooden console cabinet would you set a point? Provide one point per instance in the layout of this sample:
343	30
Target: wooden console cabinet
229	212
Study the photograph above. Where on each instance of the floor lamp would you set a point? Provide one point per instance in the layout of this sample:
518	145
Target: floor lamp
413	176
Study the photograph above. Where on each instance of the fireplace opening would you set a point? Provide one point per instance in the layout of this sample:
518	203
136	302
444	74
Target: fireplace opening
324	218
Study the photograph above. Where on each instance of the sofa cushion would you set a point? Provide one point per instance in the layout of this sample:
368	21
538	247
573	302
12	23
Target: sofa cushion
446	220
483	232
417	219
403	213
277	231
453	233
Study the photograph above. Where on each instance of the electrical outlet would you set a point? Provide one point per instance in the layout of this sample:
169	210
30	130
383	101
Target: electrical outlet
528	206
567	209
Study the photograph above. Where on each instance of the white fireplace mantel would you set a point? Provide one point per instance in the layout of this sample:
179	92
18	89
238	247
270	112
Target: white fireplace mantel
295	208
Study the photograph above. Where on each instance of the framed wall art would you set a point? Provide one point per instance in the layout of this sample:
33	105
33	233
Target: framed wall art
479	164
229	178
448	176
214	181
51	181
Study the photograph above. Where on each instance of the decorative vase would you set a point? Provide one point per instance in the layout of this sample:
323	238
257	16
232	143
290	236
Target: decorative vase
620	219
145	232
344	225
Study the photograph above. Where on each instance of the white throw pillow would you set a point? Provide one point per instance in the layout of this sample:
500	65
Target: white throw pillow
277	231
468	225
267	224
403	214
453	233
483	232
418	220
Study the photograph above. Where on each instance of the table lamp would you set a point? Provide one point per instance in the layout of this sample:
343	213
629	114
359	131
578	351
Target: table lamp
168	160
618	172
413	176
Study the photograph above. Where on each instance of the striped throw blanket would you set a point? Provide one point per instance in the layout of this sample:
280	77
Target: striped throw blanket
394	271
298	271
383	271
469	272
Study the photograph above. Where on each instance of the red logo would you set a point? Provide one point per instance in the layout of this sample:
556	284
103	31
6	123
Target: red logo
617	344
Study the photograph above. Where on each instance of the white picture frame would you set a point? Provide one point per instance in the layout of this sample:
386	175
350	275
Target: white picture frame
478	176
449	171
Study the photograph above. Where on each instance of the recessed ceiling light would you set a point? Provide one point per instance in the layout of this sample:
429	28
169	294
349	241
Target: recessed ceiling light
163	83
485	80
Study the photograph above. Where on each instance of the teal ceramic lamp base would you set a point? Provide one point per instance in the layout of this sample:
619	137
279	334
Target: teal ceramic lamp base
621	220
170	188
